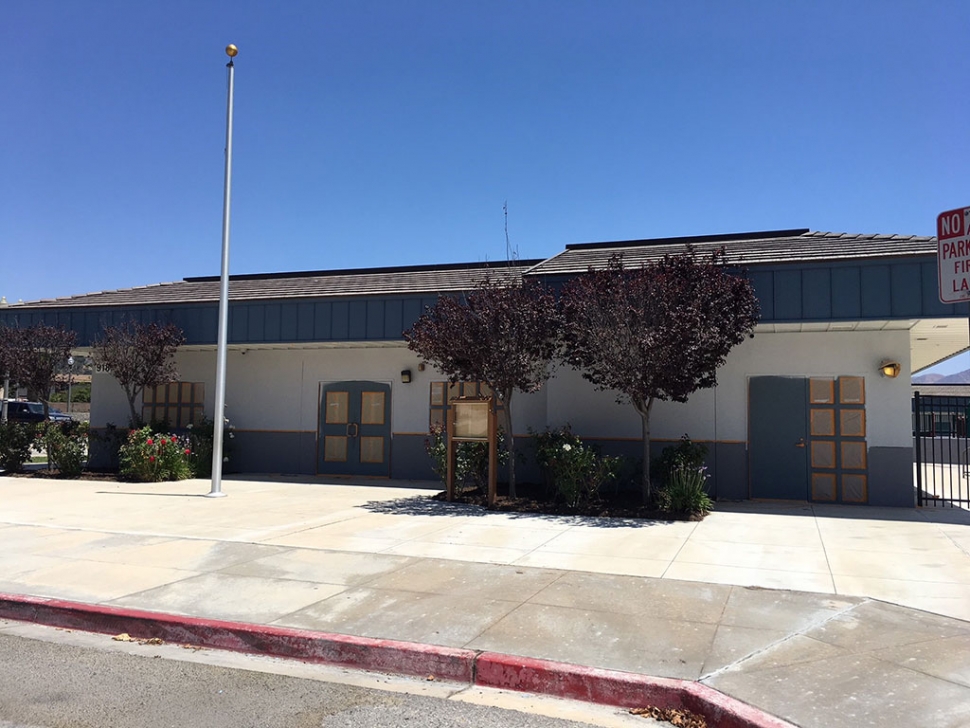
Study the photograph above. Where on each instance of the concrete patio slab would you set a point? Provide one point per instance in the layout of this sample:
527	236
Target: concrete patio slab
225	596
96	581
673	600
632	643
593	563
323	567
850	691
660	599
477	581
751	576
426	618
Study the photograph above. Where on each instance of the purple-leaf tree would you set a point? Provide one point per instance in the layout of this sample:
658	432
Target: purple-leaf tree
659	331
32	355
502	333
138	356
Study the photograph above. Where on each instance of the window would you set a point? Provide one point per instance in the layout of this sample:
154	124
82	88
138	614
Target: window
177	403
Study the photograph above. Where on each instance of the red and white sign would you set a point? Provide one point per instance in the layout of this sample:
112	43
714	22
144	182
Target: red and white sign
953	254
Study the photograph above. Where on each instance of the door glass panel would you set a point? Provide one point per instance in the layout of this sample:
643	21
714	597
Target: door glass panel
852	390
821	391
335	448
336	408
854	488
437	418
454	391
852	423
823	421
823	486
372	408
372	449
437	394
853	455
823	454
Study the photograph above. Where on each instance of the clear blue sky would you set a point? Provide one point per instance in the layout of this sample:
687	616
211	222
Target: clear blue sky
392	132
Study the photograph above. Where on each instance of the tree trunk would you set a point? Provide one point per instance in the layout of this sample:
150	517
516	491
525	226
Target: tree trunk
134	420
645	428
509	440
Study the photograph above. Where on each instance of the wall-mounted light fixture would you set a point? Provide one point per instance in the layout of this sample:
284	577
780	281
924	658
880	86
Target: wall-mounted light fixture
890	369
421	366
406	376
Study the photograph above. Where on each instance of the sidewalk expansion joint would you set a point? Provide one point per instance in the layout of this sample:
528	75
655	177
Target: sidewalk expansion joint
772	645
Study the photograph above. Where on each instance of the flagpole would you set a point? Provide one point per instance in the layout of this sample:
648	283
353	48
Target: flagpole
219	414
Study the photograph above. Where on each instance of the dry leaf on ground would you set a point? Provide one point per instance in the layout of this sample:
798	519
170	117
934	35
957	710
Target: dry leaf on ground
675	716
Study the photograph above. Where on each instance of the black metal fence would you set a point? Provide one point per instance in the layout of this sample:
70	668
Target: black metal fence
942	450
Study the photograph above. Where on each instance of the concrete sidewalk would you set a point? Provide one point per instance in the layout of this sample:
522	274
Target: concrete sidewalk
386	562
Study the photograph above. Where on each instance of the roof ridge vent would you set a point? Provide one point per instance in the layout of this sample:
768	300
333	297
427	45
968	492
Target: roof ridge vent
691	239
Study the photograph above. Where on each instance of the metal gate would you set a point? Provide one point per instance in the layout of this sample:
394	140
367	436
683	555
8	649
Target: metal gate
942	451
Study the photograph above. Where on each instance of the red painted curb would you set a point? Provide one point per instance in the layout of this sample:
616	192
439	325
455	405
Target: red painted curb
405	658
487	669
622	689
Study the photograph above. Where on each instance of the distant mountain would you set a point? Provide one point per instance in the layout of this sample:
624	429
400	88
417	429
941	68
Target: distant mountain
958	378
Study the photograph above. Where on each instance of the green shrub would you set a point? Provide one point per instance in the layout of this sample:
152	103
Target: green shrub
201	437
152	457
67	446
685	454
80	392
16	439
686	491
471	459
571	469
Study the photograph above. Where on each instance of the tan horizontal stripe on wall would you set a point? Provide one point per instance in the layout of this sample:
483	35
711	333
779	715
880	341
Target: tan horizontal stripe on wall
661	439
278	432
426	434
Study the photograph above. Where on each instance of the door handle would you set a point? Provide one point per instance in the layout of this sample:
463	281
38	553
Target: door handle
801	442
353	433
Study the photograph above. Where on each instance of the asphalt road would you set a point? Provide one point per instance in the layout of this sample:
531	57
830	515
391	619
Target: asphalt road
72	680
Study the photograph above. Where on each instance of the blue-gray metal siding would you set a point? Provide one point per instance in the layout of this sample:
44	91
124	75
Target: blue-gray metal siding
361	319
789	293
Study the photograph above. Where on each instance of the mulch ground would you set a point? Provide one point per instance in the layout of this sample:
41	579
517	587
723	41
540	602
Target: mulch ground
532	498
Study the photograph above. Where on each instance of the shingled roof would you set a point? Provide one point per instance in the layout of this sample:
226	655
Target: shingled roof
773	246
747	249
312	284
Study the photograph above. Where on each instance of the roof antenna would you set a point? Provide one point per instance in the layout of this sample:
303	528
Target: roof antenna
511	255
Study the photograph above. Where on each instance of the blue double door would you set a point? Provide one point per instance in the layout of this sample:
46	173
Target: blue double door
354	434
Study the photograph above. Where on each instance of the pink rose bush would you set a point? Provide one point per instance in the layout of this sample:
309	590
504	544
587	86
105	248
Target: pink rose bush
150	459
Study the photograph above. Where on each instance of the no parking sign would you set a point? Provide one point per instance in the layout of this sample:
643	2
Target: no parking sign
953	254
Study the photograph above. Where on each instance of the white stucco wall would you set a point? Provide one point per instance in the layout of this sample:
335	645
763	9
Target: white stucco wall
722	413
108	402
279	389
275	389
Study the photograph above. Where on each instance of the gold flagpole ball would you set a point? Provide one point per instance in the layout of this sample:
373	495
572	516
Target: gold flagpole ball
231	50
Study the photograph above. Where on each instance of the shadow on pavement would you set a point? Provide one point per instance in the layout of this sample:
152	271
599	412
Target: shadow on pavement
426	506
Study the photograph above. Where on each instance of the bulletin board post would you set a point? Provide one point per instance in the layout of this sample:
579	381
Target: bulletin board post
472	420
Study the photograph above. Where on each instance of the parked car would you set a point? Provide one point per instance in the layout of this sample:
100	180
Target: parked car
20	411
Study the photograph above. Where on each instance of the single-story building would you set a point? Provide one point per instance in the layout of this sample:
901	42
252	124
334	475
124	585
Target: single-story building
804	410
